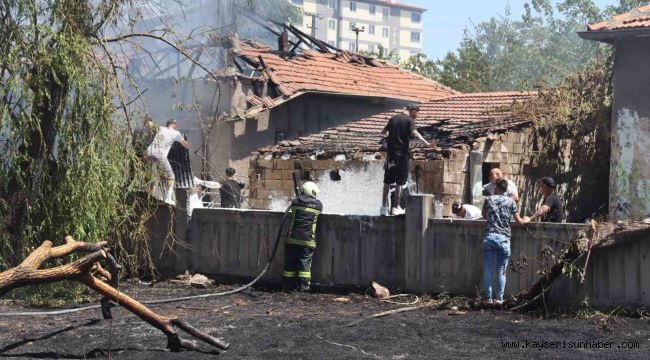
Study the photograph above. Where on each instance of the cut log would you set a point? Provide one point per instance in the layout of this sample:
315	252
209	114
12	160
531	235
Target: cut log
83	269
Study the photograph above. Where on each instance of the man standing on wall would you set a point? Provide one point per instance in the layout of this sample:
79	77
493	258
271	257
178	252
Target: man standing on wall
498	210
300	243
496	174
230	190
399	130
158	151
552	209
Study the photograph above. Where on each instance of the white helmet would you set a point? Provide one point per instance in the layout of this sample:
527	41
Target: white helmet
310	189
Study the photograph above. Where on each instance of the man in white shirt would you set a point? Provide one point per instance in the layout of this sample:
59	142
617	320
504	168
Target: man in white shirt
467	211
496	174
158	151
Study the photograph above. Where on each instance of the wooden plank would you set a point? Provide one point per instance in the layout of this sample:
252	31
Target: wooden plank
616	274
632	266
644	271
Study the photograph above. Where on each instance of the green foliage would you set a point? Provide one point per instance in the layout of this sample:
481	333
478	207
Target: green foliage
542	47
67	167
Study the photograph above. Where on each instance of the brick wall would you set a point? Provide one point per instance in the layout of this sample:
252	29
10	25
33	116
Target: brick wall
446	178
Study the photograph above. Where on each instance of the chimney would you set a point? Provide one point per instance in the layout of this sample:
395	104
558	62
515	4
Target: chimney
283	42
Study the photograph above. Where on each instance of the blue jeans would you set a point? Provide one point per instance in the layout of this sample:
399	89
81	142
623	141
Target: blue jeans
495	246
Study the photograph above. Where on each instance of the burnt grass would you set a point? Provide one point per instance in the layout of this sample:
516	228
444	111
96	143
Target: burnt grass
273	325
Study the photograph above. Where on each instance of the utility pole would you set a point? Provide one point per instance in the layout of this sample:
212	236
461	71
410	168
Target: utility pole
357	30
313	21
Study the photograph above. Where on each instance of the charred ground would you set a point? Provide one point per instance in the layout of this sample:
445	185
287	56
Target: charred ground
273	325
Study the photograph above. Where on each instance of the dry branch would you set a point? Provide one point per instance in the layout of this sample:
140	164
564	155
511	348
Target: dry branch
29	273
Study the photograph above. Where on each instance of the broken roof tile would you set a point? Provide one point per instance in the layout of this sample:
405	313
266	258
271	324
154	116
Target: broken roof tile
341	73
452	120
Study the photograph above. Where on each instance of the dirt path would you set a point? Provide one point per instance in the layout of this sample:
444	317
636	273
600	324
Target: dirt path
272	325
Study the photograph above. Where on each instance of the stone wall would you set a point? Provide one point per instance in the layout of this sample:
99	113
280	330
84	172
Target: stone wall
446	177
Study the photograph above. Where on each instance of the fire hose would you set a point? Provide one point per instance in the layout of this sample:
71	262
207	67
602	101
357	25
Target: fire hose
106	307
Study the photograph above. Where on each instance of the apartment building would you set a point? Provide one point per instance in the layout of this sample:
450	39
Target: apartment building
394	25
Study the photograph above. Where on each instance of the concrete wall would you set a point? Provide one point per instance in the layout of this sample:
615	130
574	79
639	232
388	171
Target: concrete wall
629	189
414	253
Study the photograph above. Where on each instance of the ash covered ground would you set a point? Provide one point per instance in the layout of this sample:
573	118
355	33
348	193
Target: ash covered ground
274	325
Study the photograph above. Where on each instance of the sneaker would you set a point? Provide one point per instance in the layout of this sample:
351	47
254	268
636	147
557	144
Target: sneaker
488	302
398	211
383	211
498	302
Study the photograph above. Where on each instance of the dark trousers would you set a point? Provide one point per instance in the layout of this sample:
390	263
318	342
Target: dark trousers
297	267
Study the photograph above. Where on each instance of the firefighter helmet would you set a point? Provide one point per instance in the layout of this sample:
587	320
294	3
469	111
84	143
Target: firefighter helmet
310	189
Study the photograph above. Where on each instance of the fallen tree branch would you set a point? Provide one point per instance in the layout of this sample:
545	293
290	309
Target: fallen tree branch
29	273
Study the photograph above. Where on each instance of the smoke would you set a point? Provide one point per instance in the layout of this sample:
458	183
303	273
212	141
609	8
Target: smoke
357	193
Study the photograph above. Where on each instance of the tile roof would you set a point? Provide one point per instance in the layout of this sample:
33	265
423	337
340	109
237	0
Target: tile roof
457	119
342	73
638	18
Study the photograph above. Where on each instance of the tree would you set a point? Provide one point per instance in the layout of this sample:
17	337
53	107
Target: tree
540	48
69	108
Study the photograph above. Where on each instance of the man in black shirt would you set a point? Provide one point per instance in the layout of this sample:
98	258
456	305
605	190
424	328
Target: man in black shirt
230	190
399	129
552	209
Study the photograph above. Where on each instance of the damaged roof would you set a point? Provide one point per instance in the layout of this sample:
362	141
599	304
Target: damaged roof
341	73
456	119
633	22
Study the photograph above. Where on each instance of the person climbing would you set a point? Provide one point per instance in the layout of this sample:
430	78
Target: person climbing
230	190
498	210
300	243
399	130
159	149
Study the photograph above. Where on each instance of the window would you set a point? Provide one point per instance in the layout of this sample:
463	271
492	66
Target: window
371	9
386	12
331	24
352	47
415	36
384	32
297	2
331	4
353	6
415	17
371	29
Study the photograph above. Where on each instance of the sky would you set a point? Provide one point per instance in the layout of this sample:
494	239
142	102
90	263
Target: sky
445	20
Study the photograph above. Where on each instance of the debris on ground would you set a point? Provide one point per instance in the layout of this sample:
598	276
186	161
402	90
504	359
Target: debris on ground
378	291
343	300
200	281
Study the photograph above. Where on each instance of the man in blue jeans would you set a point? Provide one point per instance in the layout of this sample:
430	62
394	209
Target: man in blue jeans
498	209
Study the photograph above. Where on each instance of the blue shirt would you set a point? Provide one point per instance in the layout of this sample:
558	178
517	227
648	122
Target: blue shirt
499	210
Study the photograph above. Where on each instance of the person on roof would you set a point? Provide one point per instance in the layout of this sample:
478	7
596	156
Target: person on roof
300	243
159	149
399	130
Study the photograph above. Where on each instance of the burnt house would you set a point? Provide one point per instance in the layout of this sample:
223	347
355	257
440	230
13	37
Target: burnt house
266	95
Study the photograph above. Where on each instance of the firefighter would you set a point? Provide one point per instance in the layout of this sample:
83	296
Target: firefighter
300	243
